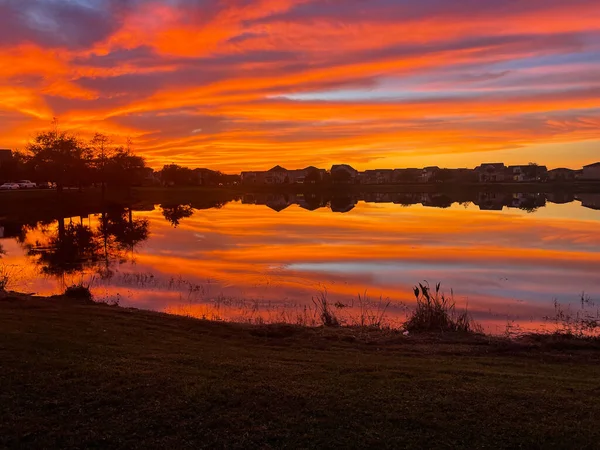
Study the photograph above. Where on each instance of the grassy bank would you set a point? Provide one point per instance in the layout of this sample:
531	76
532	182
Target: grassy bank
86	375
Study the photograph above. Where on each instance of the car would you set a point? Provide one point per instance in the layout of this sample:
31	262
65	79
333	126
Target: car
26	184
46	185
9	186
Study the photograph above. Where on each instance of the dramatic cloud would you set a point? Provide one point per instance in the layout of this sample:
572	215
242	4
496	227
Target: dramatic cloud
235	84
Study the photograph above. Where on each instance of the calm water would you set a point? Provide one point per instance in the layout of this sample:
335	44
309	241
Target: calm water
265	258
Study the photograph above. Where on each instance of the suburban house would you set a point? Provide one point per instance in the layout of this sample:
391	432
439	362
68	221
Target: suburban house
527	173
428	174
343	174
561	174
378	176
591	172
280	175
401	176
491	172
308	175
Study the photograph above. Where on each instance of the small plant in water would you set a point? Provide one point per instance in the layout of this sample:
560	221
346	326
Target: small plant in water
437	312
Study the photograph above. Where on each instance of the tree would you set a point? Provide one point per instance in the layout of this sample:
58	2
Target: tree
102	151
60	157
313	176
125	169
174	175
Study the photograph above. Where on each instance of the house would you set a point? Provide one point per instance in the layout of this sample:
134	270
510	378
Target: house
491	172
529	173
343	174
277	175
429	174
252	178
378	176
405	176
591	172
308	175
561	174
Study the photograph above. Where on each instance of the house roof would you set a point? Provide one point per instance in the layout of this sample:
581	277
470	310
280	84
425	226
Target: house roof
343	166
592	165
497	165
277	169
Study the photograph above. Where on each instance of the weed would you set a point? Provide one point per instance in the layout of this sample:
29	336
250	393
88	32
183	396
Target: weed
323	310
437	312
372	314
583	322
7	275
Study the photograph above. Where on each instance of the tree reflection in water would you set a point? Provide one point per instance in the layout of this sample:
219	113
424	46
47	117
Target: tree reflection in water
74	248
175	213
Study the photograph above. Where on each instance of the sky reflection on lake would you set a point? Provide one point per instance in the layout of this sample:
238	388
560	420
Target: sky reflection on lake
244	261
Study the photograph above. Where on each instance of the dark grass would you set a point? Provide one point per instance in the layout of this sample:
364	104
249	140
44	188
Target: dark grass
76	375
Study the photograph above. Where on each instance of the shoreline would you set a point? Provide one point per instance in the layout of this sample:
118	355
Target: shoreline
80	374
383	334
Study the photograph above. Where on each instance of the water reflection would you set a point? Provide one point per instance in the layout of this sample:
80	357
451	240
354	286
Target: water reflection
240	260
73	246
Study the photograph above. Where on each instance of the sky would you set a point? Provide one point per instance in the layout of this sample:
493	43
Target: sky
246	84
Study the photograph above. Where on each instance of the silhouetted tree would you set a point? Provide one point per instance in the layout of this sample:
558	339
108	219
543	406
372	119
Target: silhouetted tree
60	157
125	169
102	152
174	175
313	176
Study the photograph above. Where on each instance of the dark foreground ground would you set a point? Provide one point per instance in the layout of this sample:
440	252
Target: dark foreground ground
91	376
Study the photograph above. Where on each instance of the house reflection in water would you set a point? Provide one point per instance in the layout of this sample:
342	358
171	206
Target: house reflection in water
591	201
485	200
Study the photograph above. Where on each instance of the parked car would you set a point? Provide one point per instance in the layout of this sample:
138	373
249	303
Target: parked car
26	184
9	186
46	185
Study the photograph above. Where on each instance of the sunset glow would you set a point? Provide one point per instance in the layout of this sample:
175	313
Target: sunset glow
237	84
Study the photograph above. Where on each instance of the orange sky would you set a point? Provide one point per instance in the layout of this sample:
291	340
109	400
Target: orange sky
237	84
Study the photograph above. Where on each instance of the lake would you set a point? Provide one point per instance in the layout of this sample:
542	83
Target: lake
264	257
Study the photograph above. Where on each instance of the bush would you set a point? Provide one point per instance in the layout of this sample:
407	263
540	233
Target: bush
79	292
437	312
